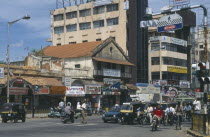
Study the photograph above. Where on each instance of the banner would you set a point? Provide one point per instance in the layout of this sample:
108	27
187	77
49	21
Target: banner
111	86
177	69
93	89
111	73
75	91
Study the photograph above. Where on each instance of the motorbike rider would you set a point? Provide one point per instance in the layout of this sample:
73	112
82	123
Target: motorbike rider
149	112
69	110
158	112
179	112
170	111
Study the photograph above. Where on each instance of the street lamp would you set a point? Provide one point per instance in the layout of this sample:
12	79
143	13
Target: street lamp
8	52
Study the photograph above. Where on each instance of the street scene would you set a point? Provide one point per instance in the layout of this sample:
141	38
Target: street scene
104	68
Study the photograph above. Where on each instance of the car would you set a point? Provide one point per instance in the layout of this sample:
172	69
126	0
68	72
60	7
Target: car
112	115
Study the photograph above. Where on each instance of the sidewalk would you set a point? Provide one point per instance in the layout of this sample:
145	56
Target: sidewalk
195	134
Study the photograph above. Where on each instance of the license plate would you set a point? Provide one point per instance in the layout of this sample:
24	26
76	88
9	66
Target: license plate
9	114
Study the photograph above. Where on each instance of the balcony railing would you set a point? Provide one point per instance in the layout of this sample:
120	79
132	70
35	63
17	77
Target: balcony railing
101	73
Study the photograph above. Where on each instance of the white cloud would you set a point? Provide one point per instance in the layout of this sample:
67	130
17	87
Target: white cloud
18	44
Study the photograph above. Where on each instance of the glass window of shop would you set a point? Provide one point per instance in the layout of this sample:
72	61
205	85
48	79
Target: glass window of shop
175	48
155	61
173	76
174	61
155	75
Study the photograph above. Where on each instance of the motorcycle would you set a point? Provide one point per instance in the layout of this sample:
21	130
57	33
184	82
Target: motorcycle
54	113
66	117
154	123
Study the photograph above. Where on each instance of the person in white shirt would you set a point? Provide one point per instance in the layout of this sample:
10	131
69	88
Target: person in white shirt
149	111
197	105
170	109
83	107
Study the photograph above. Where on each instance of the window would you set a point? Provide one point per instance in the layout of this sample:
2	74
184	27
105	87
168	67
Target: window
201	46
58	30
73	42
71	15
99	65
98	39
84	26
122	69
113	7
155	75
155	46
111	49
155	61
174	61
58	17
77	65
98	24
114	66
113	21
84	41
98	10
70	28
84	13
58	44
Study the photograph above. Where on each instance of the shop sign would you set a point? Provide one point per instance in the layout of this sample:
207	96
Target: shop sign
178	41
67	81
93	89
19	80
57	90
156	38
75	91
111	85
172	92
184	84
111	72
1	72
160	82
177	69
173	83
43	91
150	89
18	91
181	2
126	5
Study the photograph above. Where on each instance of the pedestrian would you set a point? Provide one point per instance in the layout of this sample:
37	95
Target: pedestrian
83	108
149	112
61	104
197	105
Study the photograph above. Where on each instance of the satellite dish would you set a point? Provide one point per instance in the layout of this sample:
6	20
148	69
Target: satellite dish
165	8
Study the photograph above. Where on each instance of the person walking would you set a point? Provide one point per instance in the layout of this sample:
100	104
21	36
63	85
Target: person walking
83	108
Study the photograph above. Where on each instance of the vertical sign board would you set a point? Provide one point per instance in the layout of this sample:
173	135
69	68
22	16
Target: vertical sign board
169	23
1	72
67	81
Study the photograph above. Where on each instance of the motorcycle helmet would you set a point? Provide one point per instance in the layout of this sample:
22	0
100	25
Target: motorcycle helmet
68	104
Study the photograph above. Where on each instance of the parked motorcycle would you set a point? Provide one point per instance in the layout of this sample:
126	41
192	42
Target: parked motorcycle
154	123
54	113
66	117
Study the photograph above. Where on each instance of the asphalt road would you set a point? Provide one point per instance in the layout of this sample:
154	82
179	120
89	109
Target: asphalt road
94	128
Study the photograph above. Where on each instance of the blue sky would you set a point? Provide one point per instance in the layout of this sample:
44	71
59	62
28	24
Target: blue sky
32	34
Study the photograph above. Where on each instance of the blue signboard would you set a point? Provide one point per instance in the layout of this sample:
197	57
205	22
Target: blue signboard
113	88
170	23
170	27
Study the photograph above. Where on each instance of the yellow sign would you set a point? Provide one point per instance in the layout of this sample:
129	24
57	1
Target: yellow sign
177	69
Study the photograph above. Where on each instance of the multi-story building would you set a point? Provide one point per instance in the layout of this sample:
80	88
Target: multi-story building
90	22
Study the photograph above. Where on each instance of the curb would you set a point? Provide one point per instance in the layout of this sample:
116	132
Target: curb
195	134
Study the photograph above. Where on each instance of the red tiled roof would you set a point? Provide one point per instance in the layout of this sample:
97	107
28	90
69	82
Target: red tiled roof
72	50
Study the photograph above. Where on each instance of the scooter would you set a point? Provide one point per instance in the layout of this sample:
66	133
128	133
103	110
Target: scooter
66	117
54	113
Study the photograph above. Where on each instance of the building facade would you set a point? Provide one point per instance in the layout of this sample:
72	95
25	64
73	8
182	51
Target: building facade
89	22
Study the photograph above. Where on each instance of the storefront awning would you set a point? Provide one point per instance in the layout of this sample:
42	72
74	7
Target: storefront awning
113	61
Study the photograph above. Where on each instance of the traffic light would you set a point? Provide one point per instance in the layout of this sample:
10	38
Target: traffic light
202	71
